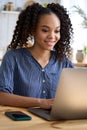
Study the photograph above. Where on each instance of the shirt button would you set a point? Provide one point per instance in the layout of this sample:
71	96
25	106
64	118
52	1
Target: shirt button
42	70
43	81
44	91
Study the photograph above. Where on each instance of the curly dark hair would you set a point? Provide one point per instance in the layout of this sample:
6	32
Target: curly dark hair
27	23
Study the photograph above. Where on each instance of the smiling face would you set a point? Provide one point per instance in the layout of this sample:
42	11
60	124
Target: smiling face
47	33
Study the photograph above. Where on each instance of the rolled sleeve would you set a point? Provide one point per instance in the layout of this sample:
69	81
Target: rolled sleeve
6	75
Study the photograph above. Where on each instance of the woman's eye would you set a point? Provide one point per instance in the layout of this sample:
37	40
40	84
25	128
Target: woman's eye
44	30
57	31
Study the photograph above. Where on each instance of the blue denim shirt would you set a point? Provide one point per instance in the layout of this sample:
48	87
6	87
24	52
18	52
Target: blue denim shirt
21	74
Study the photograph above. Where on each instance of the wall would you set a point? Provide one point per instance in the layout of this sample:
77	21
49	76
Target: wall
7	24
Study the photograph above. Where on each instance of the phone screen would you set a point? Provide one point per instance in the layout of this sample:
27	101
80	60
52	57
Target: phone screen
18	115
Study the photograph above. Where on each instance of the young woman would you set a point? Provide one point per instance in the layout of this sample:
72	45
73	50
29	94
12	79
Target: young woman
29	76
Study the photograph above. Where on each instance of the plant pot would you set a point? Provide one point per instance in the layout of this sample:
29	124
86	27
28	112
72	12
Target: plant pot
79	56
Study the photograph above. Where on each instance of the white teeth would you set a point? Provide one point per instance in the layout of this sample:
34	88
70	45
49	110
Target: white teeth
50	43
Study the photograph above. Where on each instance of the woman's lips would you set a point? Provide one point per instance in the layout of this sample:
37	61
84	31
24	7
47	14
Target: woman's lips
50	43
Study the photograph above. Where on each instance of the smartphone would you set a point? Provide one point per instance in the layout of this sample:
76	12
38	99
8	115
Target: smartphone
17	115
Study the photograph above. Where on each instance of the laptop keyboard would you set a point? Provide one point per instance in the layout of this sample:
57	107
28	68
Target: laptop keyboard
47	111
44	113
40	110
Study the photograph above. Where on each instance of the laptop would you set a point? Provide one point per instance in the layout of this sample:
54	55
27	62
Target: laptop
70	99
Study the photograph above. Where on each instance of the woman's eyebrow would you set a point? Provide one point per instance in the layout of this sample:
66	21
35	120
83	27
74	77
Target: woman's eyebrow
45	26
49	27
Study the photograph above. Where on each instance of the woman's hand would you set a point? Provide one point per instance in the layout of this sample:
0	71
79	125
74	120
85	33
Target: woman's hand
46	103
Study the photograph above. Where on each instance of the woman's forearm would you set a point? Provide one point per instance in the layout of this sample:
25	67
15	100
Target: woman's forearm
19	101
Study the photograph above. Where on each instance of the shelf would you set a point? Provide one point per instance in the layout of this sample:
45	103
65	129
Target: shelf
80	64
10	12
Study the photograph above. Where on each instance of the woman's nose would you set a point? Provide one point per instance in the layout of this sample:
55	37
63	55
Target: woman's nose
51	35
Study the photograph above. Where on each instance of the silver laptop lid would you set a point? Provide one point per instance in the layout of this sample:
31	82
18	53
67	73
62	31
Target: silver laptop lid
71	95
